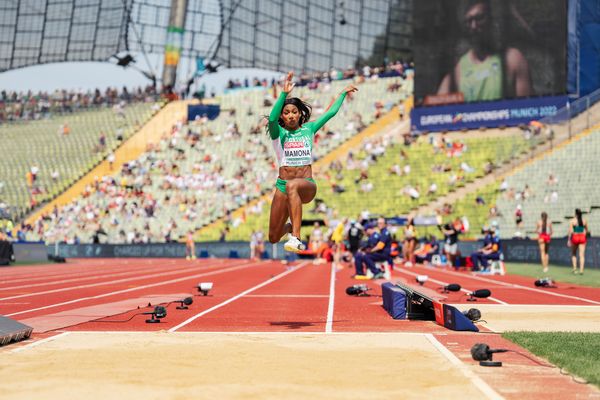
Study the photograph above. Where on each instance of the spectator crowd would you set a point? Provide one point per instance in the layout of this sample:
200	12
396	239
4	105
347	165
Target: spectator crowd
24	106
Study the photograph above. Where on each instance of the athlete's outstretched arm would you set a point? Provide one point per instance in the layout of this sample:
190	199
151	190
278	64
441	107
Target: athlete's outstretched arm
273	126
335	107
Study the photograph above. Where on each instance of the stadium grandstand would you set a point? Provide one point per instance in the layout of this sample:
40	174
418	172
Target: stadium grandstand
438	159
51	144
203	169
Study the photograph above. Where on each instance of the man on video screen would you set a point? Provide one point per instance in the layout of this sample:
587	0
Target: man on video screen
484	71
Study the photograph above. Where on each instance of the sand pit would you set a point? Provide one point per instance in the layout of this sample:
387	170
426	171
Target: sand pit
540	318
195	365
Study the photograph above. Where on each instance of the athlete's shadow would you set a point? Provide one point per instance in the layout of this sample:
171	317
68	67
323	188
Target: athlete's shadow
291	324
298	324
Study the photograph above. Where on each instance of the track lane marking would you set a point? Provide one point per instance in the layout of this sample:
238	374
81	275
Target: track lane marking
174	272
320	296
135	288
88	268
38	342
581	307
515	285
92	268
446	283
303	333
238	296
329	324
475	379
88	277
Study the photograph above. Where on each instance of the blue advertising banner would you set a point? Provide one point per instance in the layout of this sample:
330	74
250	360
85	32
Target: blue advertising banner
488	114
211	111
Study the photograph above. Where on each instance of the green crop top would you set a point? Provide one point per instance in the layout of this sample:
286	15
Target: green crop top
294	148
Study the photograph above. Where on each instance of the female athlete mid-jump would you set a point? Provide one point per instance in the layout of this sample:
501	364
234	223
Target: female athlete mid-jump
292	137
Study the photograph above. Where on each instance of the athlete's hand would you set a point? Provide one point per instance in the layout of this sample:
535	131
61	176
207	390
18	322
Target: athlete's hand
288	85
350	89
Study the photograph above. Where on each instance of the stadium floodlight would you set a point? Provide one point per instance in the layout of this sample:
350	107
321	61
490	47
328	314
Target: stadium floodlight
125	60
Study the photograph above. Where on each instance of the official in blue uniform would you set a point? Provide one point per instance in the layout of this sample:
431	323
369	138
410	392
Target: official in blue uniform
489	251
360	258
381	251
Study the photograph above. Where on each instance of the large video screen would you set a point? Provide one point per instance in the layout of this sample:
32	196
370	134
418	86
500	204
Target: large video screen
481	50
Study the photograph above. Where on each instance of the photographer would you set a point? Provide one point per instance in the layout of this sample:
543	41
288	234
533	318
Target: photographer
361	257
354	234
451	232
426	250
6	250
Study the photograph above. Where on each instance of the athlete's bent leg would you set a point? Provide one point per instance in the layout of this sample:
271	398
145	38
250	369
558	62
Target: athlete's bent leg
299	191
279	216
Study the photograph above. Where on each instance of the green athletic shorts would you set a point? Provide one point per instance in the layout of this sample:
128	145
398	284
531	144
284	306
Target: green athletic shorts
281	184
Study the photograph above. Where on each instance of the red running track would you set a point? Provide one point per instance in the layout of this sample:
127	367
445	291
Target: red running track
264	296
267	296
507	289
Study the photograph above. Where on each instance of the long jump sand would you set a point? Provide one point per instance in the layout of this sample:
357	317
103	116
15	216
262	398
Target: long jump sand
232	366
540	318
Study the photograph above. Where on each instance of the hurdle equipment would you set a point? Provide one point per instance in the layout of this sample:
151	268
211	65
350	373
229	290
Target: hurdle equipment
13	331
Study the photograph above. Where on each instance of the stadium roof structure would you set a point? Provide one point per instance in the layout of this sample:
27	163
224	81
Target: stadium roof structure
45	31
306	35
314	35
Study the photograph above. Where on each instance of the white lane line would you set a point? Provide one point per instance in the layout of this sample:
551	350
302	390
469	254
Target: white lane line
303	333
41	341
92	269
89	270
553	307
476	380
234	298
514	285
89	277
303	296
140	276
329	324
220	271
446	283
